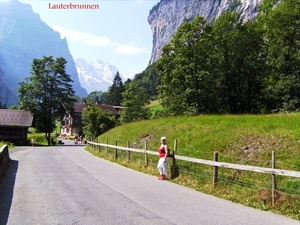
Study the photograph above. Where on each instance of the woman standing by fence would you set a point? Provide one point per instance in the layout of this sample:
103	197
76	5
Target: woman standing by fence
164	153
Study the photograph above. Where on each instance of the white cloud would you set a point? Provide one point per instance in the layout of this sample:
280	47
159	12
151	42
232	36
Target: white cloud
93	40
127	49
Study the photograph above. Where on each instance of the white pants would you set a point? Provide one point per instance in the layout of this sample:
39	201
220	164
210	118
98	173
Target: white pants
162	166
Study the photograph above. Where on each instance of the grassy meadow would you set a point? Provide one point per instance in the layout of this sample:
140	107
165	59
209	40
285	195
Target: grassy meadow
239	139
154	106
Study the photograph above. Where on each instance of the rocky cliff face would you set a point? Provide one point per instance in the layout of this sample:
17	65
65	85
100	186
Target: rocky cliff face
23	37
5	96
167	15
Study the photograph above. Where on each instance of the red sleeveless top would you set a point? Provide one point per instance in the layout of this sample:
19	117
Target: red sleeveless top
162	152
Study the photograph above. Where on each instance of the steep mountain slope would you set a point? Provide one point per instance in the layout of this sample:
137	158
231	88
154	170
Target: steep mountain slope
167	15
5	94
23	37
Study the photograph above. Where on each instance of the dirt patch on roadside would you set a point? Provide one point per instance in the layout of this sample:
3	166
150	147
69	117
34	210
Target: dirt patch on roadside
252	144
146	137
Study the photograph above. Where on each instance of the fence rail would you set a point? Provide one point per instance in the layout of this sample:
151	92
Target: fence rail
214	163
257	169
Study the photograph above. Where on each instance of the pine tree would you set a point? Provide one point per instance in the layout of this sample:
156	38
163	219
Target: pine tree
115	91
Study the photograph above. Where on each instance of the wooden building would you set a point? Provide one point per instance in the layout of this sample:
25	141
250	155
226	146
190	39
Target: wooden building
72	124
14	125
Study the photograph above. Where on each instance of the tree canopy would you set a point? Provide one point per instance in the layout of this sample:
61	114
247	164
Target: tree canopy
135	100
184	69
96	121
280	21
238	64
95	97
149	80
44	92
234	66
114	94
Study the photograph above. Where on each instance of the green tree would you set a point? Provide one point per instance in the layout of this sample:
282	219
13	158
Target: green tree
135	100
13	107
94	97
238	63
114	96
127	82
44	92
187	86
105	98
96	121
281	23
149	80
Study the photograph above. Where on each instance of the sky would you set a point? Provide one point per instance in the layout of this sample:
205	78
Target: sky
117	33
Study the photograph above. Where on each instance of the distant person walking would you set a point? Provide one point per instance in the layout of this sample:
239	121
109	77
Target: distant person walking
32	142
164	153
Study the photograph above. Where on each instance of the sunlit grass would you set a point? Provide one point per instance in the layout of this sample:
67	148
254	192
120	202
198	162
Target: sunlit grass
10	145
154	103
155	106
39	139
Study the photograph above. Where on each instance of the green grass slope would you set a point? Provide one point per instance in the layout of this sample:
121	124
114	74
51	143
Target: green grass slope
241	139
226	134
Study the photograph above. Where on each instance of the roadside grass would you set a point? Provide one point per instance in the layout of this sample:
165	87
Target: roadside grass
39	139
58	125
239	139
10	145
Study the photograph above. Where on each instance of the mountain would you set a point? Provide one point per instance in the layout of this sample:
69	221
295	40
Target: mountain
23	37
167	15
5	94
95	75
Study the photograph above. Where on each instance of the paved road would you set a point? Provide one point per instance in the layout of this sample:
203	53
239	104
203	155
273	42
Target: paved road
67	185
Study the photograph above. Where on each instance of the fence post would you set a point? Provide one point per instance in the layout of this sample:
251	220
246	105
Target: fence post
94	146
128	152
98	146
106	146
173	171
215	170
146	155
274	186
116	150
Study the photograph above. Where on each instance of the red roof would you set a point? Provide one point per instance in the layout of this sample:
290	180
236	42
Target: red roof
78	108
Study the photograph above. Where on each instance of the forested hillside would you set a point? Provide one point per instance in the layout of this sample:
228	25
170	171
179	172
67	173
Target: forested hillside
231	66
149	80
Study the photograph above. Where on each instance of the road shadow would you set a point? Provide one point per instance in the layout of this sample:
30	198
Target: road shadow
70	143
7	190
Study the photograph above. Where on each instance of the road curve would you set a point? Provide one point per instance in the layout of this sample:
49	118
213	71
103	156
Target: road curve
68	185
